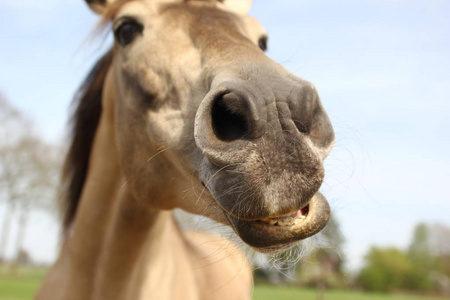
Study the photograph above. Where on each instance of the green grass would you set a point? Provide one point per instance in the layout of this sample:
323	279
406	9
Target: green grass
263	292
21	286
25	284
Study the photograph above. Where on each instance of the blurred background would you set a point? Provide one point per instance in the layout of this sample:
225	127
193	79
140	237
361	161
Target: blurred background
382	70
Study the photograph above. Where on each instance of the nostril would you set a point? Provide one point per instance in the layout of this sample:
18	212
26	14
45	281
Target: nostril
302	126
229	118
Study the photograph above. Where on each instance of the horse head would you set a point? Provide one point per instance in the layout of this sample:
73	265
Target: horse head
206	122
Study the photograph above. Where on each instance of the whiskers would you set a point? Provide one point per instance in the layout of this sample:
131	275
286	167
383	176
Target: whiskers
194	185
282	266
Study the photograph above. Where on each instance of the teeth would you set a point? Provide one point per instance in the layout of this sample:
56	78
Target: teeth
271	221
299	219
285	221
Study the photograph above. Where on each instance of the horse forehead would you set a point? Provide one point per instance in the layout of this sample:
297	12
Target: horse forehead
152	7
139	8
189	14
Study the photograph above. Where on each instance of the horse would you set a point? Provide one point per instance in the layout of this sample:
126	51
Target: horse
185	111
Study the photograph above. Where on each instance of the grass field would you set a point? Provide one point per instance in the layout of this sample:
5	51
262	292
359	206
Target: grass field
21	286
25	284
295	293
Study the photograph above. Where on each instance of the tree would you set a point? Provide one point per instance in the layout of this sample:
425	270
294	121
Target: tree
29	172
415	269
315	262
440	245
422	261
329	247
323	268
385	270
13	128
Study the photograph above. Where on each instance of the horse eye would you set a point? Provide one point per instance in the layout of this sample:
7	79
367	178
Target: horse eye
262	43
127	32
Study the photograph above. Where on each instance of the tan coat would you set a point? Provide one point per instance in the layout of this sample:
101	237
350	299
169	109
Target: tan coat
187	112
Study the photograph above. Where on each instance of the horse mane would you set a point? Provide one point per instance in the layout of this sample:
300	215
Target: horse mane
87	108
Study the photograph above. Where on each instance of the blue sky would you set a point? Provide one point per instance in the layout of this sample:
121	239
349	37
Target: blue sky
381	68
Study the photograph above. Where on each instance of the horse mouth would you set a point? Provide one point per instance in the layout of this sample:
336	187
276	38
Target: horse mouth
286	221
275	234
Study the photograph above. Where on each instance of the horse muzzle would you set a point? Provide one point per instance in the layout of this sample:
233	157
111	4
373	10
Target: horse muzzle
262	160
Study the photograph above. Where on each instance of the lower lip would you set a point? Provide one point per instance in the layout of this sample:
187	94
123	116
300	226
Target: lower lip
271	238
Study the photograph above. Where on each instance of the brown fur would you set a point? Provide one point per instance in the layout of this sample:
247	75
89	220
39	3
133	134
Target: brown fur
153	130
112	10
84	121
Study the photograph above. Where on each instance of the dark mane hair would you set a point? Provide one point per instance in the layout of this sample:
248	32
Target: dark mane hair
87	108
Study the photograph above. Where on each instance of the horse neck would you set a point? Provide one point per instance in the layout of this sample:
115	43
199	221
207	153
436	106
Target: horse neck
114	238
